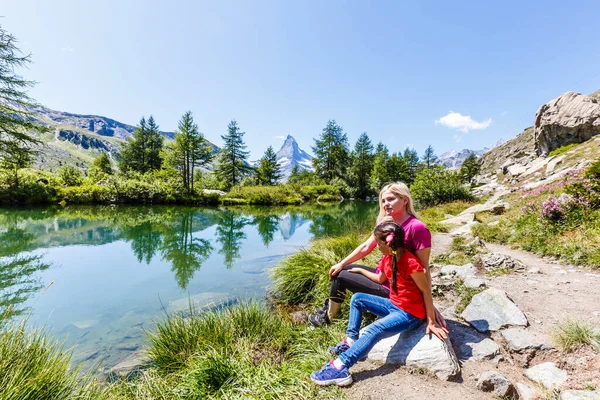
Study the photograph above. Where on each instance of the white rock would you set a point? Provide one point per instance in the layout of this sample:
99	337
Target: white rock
463	271
580	395
416	349
547	374
526	393
519	339
492	310
474	283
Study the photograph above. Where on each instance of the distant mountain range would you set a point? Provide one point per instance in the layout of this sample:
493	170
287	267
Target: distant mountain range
455	159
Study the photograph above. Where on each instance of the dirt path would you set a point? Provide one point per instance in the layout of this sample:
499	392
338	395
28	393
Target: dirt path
558	292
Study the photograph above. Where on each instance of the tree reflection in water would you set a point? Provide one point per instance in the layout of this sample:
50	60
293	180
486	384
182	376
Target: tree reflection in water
230	234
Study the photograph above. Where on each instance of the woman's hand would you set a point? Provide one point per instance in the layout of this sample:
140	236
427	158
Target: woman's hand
433	327
333	271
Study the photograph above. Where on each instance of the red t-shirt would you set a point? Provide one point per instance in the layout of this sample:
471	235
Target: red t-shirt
408	295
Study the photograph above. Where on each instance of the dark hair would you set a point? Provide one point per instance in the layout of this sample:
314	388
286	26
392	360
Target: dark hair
381	232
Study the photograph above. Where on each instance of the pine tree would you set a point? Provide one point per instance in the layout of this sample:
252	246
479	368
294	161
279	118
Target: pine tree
411	157
17	125
469	168
232	165
142	151
294	175
269	172
362	158
100	167
331	153
380	173
189	150
398	169
429	158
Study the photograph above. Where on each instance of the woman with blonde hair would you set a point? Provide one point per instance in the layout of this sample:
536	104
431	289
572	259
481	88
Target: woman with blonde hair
395	204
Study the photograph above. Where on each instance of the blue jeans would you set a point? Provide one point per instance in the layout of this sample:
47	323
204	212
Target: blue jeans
393	320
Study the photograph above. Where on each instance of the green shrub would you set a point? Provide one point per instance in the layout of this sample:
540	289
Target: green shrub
562	149
438	185
70	175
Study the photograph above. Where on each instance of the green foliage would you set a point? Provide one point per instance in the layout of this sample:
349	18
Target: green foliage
380	174
230	353
562	149
32	366
301	177
269	172
469	168
573	334
232	166
361	165
304	277
35	187
411	158
331	153
70	175
101	167
261	195
438	185
398	170
189	150
17	127
429	158
142	152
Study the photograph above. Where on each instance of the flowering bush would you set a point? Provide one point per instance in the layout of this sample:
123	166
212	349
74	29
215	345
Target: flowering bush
556	208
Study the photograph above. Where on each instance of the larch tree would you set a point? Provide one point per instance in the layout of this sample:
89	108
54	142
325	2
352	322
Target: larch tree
331	153
232	166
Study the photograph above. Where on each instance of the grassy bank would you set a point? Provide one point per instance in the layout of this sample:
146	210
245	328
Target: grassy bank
561	219
43	187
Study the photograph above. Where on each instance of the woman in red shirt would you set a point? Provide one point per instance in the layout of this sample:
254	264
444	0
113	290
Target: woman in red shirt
409	303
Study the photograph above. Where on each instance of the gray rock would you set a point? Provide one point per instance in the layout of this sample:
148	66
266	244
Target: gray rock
580	395
129	367
495	207
516	170
533	271
547	374
526	393
201	301
459	220
493	261
468	343
570	118
462	271
553	162
416	349
463	230
497	384
519	340
492	310
474	283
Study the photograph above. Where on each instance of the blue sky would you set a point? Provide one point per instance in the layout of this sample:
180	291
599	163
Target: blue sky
451	74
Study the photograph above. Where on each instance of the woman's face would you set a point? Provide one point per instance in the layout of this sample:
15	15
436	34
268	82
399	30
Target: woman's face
393	205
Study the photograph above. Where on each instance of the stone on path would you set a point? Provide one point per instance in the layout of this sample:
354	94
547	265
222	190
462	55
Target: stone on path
461	271
416	349
492	310
494	261
526	393
548	374
580	395
459	220
497	384
519	339
474	283
469	344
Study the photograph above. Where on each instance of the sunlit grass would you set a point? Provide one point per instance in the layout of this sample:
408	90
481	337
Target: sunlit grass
573	334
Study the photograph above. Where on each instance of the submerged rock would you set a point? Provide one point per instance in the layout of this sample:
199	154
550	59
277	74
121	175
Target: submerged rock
201	301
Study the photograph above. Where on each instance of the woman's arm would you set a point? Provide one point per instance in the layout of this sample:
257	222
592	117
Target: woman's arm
359	253
424	286
375	277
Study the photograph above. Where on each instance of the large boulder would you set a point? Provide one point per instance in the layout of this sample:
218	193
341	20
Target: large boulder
570	118
492	310
416	349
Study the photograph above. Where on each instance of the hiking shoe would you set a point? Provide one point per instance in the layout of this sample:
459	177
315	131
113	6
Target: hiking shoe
324	309
319	320
339	348
330	375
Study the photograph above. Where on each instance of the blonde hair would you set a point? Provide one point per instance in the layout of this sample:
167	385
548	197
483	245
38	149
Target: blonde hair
401	190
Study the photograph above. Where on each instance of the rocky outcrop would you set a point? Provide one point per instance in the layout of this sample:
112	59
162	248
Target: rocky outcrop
87	142
570	118
518	150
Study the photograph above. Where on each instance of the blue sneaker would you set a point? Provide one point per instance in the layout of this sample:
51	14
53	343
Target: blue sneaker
330	375
339	348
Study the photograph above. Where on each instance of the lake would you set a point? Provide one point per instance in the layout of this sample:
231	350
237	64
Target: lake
97	277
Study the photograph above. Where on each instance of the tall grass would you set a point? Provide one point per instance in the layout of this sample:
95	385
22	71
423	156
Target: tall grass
245	351
33	366
572	334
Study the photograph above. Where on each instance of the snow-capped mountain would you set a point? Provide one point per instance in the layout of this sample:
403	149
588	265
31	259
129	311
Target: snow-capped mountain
454	159
289	155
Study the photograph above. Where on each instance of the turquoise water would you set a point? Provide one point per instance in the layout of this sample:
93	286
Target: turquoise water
97	277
